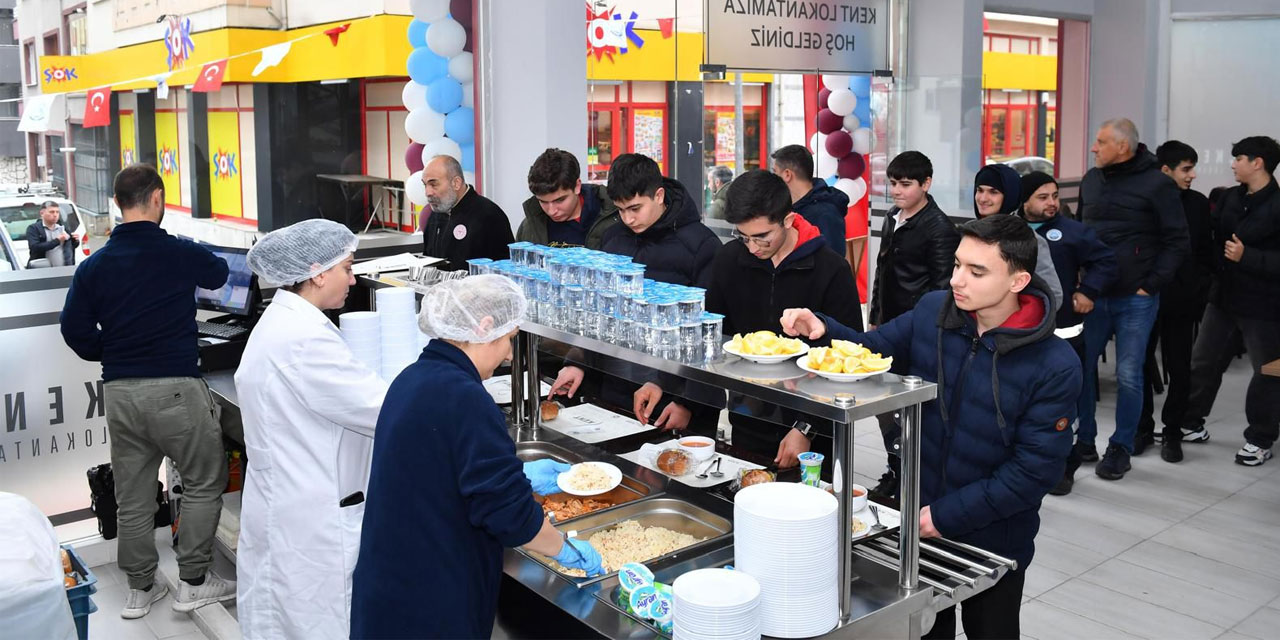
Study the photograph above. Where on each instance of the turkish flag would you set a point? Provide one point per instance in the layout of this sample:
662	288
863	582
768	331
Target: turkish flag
210	78
97	108
667	25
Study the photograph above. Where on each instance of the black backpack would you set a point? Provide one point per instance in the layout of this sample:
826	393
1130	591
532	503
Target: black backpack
102	501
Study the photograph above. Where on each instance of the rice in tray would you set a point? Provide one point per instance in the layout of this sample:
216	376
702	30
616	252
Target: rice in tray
631	542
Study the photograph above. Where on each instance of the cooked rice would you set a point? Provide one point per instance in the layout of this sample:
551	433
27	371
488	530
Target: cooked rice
588	477
632	542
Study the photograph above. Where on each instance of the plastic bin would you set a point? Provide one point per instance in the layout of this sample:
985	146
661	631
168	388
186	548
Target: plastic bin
81	604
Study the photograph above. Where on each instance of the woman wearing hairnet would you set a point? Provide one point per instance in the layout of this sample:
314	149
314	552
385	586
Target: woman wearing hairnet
446	492
309	409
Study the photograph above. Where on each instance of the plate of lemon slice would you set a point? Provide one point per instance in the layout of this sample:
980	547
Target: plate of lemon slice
844	361
765	347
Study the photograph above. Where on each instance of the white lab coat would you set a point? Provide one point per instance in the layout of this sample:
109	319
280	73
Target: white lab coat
309	409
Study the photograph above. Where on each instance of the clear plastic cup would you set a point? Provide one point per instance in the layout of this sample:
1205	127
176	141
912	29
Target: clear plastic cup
609	328
631	280
575	274
608	277
543	288
479	266
712	328
626	306
591	325
691	334
535	257
558	267
641	311
607	303
667	337
667	313
626	333
519	252
575	297
589	300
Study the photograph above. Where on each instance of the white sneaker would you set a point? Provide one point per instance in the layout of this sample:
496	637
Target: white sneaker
213	590
1252	455
139	602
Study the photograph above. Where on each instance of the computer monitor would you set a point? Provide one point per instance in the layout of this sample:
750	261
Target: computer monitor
237	295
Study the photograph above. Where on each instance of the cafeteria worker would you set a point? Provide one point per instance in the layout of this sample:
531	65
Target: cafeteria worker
446	491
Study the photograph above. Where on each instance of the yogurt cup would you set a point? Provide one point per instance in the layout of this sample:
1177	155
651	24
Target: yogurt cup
811	468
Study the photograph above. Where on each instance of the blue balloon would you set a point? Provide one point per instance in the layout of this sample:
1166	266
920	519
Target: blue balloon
831	180
468	157
860	86
460	125
425	66
444	94
863	111
417	33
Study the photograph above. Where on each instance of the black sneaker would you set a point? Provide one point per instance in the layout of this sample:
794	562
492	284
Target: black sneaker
1115	463
1064	485
886	491
1195	434
1141	442
1251	455
1088	453
1171	447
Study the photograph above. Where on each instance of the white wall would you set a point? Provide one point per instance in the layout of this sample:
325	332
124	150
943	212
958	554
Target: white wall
537	90
1124	58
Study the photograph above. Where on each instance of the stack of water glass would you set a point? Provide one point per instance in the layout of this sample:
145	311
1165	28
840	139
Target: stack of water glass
606	297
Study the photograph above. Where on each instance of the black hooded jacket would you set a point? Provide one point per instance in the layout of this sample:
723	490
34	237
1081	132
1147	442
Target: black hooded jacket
677	249
1135	209
825	208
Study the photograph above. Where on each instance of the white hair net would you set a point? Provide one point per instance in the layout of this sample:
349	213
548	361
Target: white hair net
301	251
473	309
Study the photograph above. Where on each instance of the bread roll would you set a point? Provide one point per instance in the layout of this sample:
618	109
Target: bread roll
550	410
673	462
66	561
756	476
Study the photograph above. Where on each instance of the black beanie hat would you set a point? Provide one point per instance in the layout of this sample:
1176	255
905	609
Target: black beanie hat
1033	181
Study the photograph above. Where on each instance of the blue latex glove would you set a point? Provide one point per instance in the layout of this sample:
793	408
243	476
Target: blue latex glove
579	554
542	475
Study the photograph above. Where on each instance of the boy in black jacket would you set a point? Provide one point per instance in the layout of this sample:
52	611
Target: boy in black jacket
917	250
1181	306
1085	267
778	264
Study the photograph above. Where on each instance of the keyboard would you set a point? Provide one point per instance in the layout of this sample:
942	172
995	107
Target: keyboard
224	331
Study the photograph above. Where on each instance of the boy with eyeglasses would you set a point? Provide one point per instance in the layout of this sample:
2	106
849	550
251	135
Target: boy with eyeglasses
777	264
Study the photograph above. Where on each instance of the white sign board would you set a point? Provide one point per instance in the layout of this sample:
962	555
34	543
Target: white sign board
792	36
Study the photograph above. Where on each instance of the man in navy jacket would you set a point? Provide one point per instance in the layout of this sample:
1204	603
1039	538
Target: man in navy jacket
996	439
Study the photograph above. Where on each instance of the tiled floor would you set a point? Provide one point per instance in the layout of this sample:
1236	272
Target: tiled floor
1169	552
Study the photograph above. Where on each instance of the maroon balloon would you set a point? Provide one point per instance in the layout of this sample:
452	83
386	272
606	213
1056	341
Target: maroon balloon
829	122
413	157
460	10
839	143
851	166
823	94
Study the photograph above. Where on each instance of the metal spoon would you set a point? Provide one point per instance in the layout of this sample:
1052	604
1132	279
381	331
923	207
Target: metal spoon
877	527
703	475
717	473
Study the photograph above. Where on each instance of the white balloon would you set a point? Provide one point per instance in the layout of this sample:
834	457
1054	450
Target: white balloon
440	147
414	96
817	142
461	67
469	94
851	123
424	124
842	102
835	82
429	11
415	190
446	38
855	189
862	140
824	164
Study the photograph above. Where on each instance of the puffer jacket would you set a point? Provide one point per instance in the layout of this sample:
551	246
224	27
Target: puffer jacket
825	208
1135	210
1251	287
677	249
996	440
913	261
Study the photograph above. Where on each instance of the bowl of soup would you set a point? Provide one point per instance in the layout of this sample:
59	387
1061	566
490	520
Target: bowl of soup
698	447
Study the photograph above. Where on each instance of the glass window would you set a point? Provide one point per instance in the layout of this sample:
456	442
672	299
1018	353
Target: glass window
995	132
600	138
17	218
77	33
6	27
91	165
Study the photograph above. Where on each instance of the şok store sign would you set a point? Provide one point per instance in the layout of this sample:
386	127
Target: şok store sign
787	36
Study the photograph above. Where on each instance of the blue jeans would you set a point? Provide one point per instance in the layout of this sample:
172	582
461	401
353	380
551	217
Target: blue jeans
1130	319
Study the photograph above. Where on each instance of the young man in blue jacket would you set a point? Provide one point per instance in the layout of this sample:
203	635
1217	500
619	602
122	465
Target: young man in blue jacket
1085	266
997	437
820	204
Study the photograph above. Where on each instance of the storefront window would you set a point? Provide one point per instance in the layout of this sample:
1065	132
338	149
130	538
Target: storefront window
92	167
600	137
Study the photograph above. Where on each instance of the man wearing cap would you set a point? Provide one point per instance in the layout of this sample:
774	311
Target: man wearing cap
1085	267
46	238
132	306
996	190
309	408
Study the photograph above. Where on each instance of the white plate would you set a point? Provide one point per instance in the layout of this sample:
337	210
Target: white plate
716	589
615	479
766	359
839	377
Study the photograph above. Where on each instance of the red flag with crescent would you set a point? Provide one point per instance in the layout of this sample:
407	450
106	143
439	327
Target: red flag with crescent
210	78
97	108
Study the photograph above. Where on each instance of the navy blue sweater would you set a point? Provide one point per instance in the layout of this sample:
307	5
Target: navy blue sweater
132	303
446	494
997	438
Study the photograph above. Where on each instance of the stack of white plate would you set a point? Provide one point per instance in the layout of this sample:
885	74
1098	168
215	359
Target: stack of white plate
362	331
716	604
397	308
785	536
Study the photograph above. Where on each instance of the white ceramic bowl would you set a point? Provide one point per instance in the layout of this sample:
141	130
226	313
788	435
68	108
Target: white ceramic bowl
765	359
838	377
698	453
857	502
615	479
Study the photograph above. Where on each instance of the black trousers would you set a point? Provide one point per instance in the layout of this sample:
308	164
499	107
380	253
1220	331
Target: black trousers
990	615
1215	346
1175	333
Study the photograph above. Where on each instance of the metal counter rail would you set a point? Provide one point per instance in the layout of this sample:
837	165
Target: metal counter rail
842	403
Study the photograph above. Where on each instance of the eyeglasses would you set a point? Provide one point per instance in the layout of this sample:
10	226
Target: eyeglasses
761	240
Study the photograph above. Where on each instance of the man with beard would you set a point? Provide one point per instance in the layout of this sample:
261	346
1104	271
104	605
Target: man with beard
463	224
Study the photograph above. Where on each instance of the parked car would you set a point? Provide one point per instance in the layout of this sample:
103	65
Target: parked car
1027	164
21	206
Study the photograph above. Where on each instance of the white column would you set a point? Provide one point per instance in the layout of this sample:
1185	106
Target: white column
1125	70
535	92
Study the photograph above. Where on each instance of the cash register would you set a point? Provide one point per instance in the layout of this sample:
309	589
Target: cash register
222	338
